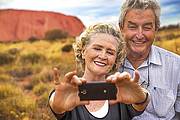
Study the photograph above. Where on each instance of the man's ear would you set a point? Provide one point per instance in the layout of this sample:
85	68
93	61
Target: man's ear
120	27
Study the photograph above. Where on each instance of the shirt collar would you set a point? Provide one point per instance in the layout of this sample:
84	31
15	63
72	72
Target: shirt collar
154	58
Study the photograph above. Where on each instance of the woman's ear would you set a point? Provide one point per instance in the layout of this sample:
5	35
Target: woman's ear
83	53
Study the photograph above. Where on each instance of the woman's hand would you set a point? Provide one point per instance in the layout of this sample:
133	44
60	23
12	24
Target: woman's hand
129	91
66	92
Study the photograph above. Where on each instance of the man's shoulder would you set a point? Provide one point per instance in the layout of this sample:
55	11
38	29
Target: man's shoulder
165	53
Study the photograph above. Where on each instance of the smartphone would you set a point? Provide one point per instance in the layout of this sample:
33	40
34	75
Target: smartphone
97	91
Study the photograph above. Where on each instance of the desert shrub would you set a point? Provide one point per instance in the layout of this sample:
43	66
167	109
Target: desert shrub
170	36
21	72
9	90
55	34
67	48
44	76
32	39
43	100
17	108
40	89
6	58
32	58
14	104
5	78
14	51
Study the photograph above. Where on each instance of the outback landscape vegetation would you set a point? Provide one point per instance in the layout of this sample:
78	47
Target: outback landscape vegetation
26	72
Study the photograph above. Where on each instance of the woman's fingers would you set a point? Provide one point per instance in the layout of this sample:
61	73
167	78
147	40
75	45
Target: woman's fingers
68	76
112	102
83	102
118	77
56	76
125	76
136	76
77	81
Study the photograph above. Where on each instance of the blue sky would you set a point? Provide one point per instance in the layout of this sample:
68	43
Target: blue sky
92	11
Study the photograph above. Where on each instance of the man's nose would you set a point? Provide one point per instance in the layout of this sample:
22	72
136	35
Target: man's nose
140	34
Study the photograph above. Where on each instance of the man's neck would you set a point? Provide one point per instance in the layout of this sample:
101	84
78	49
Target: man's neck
136	61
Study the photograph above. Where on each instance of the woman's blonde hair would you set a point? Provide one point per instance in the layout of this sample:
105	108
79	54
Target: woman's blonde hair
85	37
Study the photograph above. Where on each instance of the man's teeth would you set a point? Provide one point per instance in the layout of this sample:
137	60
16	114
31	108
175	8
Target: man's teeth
138	42
99	63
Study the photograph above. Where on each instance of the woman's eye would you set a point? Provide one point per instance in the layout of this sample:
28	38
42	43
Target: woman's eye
110	53
97	48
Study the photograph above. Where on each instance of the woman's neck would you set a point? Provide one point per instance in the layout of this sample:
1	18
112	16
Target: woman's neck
89	76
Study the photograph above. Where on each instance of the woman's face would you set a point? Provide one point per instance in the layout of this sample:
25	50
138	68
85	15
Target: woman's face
100	54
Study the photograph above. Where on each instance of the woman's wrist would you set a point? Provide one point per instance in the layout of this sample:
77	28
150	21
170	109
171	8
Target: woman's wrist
145	100
53	105
140	106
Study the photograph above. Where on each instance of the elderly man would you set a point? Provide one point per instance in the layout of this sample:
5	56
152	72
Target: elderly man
159	69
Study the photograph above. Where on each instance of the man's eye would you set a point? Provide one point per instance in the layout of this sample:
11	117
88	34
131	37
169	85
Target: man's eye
131	27
147	28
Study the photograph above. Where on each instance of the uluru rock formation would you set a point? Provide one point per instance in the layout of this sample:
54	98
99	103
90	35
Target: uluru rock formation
24	24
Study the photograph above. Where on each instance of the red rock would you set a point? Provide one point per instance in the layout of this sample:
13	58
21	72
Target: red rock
23	24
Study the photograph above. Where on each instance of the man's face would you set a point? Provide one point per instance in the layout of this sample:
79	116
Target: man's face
139	31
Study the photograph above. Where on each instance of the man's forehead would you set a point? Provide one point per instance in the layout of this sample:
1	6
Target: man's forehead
138	14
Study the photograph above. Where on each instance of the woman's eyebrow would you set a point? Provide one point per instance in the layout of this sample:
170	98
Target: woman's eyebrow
97	45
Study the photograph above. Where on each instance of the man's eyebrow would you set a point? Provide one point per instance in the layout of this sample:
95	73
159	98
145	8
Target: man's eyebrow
131	22
149	23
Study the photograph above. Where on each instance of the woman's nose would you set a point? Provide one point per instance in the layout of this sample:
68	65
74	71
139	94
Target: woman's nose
103	55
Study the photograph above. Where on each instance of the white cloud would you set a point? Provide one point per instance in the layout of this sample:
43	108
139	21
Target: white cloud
89	11
168	9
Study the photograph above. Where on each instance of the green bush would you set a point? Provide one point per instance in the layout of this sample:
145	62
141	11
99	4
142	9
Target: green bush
6	58
67	48
55	34
32	58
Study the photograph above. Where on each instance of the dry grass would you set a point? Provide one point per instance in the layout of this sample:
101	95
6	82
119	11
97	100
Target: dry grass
24	86
27	80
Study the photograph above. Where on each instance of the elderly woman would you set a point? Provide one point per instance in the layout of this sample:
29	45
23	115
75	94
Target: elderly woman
99	52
